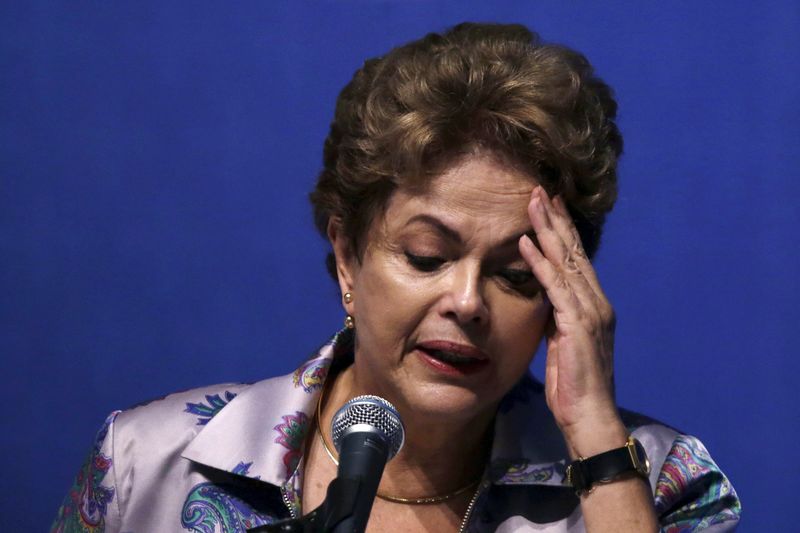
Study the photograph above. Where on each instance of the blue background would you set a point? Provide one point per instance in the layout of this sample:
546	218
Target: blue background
155	160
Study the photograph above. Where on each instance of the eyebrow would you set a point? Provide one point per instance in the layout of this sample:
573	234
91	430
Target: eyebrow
453	235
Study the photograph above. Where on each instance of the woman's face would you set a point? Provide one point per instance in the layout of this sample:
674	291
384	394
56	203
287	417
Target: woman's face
448	315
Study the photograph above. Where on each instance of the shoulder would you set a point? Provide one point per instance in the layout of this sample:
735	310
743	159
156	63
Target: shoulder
93	501
177	444
173	414
691	491
151	437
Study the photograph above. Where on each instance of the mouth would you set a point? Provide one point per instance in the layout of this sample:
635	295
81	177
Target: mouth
453	358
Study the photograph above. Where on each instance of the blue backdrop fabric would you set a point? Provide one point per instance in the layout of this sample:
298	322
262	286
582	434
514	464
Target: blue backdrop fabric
155	160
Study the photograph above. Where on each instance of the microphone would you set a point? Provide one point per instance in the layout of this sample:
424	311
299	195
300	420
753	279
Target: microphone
367	433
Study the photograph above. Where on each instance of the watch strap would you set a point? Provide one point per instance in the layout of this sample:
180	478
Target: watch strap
583	474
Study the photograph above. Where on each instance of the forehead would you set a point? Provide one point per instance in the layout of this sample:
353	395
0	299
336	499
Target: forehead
477	187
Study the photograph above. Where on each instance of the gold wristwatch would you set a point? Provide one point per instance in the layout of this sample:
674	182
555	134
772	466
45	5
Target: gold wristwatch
605	467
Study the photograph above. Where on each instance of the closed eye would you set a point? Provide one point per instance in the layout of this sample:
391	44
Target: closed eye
424	263
516	277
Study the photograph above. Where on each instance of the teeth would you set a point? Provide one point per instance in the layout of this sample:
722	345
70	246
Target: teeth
451	357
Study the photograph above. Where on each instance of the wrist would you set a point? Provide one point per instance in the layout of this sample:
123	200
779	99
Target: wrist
598	436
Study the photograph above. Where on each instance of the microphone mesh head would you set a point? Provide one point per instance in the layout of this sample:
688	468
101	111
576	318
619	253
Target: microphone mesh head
372	411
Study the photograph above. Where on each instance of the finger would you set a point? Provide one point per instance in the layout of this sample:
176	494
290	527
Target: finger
563	224
551	242
559	290
551	372
554	247
571	308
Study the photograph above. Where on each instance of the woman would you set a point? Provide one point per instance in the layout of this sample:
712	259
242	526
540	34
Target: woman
465	183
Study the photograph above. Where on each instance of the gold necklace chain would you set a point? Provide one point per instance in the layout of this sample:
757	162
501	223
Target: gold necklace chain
425	500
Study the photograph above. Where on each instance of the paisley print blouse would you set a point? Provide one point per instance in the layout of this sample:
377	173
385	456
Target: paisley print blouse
229	457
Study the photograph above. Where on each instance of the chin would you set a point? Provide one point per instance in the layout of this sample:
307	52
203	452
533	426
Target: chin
437	402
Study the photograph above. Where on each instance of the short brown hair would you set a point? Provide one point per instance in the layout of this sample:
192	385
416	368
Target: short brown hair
492	85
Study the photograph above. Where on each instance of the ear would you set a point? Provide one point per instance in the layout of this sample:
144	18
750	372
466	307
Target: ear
346	260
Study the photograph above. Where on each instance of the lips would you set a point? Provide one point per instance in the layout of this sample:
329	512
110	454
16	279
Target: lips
452	358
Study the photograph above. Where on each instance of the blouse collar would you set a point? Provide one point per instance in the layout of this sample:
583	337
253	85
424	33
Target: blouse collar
260	432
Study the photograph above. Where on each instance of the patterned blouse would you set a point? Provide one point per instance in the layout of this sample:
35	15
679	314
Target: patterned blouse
229	457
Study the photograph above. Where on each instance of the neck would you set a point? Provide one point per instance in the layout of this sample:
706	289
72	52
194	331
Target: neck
440	454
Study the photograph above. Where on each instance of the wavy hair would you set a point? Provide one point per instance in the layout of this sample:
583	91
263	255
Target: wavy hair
405	114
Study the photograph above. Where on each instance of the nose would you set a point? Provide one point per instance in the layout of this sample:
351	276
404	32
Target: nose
464	299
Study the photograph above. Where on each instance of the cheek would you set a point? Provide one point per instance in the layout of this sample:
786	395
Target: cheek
390	307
